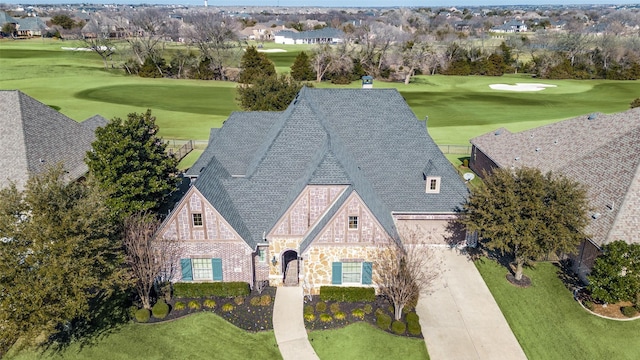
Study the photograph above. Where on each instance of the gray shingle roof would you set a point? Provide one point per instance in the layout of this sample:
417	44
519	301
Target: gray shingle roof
600	151
34	136
324	33
368	139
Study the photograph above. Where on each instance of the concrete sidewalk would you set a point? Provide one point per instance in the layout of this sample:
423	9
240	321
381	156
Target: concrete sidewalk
460	319
288	324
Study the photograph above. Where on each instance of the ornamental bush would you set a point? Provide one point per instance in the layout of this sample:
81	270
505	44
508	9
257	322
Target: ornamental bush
347	294
308	309
309	317
209	303
143	315
179	306
325	318
615	275
367	308
265	300
358	314
160	310
334	307
193	305
339	315
255	301
321	307
412	317
629	311
398	327
221	289
228	307
239	300
383	321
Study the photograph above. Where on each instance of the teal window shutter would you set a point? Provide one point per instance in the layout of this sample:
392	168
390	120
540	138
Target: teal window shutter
216	265
336	273
367	270
187	274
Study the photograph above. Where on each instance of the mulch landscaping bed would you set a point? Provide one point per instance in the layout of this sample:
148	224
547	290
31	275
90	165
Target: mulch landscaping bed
252	313
369	310
613	311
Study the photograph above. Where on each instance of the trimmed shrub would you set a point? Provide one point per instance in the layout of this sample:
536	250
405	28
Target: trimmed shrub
239	300
358	314
629	311
255	301
379	311
209	303
588	304
367	308
321	307
308	309
347	294
334	307
398	327
179	306
339	315
228	307
325	318
221	289
142	315
309	317
383	321
414	328
193	305
265	300
160	310
412	317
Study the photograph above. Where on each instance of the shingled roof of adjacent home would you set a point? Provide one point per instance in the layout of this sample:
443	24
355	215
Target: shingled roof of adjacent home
33	137
258	163
600	151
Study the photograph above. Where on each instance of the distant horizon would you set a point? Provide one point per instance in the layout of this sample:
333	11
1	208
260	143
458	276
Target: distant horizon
327	3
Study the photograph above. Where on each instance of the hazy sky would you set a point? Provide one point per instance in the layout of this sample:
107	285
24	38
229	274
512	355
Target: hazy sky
328	3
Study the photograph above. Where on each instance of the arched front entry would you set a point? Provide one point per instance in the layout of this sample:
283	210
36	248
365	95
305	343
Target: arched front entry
290	268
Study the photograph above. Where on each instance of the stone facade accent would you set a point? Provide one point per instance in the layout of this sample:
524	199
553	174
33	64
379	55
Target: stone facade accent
277	247
317	261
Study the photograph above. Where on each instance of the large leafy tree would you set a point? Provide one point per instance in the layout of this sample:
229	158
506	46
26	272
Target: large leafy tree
301	69
526	214
273	93
130	161
616	273
59	254
255	66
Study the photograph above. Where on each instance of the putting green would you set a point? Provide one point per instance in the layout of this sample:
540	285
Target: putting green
459	108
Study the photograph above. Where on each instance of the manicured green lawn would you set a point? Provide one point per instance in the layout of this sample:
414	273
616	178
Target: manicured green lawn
200	336
363	341
549	324
459	108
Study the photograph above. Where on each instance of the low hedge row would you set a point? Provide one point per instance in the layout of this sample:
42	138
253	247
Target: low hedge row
347	294
221	289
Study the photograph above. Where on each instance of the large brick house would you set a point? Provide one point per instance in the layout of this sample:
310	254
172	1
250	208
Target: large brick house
600	151
34	137
313	193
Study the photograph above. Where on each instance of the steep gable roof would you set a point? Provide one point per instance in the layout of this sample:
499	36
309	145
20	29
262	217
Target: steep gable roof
598	150
368	139
34	136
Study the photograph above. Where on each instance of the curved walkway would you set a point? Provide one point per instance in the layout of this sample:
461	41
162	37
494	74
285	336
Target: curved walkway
288	324
459	317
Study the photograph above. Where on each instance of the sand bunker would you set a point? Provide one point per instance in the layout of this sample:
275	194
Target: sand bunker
271	50
521	87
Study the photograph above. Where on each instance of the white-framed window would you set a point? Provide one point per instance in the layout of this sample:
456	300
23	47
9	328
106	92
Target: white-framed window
197	219
351	273
202	269
433	184
353	222
262	254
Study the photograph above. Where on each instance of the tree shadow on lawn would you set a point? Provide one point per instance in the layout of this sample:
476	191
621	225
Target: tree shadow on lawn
107	314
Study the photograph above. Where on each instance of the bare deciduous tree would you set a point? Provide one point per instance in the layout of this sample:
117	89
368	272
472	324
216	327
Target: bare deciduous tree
150	260
96	35
403	272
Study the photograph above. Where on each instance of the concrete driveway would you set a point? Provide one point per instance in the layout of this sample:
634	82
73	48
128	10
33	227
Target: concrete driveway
459	317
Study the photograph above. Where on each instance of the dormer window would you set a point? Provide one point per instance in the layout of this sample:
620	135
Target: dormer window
433	185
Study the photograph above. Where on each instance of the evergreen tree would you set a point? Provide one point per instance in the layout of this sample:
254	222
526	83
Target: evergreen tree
301	69
525	214
616	273
59	256
273	93
130	161
254	66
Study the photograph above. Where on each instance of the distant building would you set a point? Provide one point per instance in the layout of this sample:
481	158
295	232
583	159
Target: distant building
321	36
513	26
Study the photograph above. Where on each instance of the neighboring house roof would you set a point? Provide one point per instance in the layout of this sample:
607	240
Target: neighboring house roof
600	151
5	18
259	162
324	33
31	24
34	136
